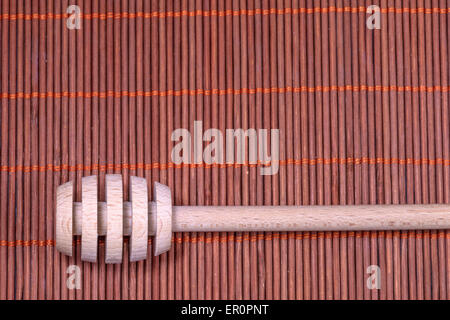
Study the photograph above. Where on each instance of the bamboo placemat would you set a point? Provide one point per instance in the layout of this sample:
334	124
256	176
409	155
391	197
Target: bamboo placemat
363	117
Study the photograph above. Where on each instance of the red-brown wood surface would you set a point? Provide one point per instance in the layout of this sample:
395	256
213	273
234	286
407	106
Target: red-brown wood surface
363	117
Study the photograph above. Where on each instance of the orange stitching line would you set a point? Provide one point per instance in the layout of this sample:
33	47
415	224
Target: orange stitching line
220	92
186	238
27	243
164	166
222	13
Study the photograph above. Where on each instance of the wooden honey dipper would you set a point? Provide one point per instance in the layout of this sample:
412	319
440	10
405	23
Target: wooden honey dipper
140	219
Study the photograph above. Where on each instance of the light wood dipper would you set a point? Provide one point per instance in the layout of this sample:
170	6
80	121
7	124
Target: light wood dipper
140	218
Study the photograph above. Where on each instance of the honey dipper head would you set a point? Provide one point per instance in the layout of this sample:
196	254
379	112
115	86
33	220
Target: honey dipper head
113	219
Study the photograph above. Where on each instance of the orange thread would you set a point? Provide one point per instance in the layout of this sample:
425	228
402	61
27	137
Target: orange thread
170	165
221	13
167	93
231	238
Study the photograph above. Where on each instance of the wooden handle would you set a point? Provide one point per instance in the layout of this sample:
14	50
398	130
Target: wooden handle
310	218
139	219
285	218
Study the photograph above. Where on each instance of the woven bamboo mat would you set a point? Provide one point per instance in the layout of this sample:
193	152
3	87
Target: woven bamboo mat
363	117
